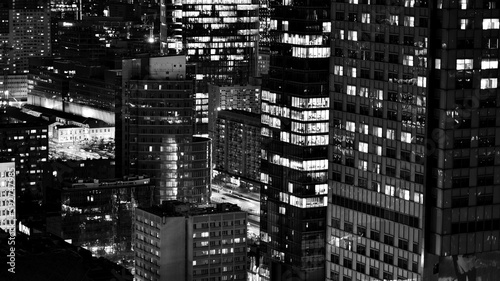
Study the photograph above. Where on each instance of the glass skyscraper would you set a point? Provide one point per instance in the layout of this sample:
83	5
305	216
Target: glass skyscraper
295	114
414	120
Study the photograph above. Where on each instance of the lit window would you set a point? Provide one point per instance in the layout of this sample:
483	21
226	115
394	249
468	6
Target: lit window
363	165
378	150
406	137
437	64
394	19
409	21
350	126
463	4
489	64
351	90
491	24
422	81
390	134
409	3
389	190
352	35
408	60
464	64
489	83
465	23
365	18
363	147
338	70
353	1
377	131
363	92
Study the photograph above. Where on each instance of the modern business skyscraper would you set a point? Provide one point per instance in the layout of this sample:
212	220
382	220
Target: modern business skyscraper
295	113
219	37
155	129
415	113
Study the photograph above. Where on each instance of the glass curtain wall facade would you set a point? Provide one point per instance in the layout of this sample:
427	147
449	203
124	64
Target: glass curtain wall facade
379	92
463	203
161	143
295	114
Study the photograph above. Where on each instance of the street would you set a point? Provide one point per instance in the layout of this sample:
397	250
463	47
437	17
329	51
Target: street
246	201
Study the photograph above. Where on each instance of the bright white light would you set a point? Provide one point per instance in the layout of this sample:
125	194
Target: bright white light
151	40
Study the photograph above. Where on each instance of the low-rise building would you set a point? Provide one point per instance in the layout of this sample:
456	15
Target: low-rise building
97	214
177	241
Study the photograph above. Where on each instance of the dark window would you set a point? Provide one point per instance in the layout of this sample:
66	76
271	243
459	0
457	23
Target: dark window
403	263
374	254
337	105
365	73
487	122
392	115
461	163
485	180
403	244
348	227
391	153
388	258
390	171
486	160
387	275
459	182
462	143
416	248
389	239
337	177
406	156
363	183
365	36
419	178
393	96
351	108
339	16
360	267
414	267
378	75
335	259
339	52
409	40
459	202
378	112
423	22
353	54
486	141
349	179
361	231
379	56
353	17
349	162
335	276
465	44
405	175
380	37
336	223
361	249
364	110
348	263
337	88
374	272
393	39
374	235
486	199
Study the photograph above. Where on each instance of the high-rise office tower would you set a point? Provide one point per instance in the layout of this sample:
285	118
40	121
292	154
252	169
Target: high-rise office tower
219	37
414	127
155	129
295	113
24	33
